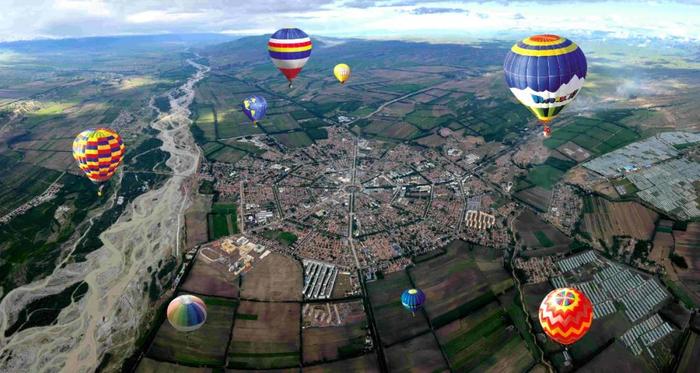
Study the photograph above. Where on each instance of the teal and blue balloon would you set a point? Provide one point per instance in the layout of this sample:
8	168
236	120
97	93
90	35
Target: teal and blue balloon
254	108
412	299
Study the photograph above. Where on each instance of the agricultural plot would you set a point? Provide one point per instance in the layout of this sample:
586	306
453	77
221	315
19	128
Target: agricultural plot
616	358
205	121
601	332
420	354
453	284
279	123
21	182
535	233
688	246
393	322
211	279
147	365
538	197
691	354
424	118
275	278
365	363
603	220
391	130
293	139
222	221
226	154
204	346
265	335
595	135
484	341
334	342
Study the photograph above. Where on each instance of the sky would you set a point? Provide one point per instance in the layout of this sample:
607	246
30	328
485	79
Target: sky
431	19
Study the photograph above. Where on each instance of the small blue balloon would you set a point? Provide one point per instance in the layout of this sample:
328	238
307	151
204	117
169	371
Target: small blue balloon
412	299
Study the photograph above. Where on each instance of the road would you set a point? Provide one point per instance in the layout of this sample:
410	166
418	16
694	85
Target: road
115	305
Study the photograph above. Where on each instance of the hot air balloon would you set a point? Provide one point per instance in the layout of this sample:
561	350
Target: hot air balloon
545	73
254	108
289	49
187	313
566	315
412	299
341	72
98	152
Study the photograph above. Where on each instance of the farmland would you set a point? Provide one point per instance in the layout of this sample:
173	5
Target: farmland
277	278
222	221
454	284
334	342
536	234
418	354
211	279
687	245
265	335
603	220
598	135
393	322
206	345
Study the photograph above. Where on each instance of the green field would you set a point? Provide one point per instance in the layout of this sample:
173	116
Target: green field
294	139
222	221
544	176
425	120
205	120
543	239
597	135
285	238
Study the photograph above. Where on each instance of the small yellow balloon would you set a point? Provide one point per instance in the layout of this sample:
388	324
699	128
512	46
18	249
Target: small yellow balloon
341	72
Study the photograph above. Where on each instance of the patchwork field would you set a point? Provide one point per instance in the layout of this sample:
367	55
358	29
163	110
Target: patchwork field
453	285
211	279
222	221
603	220
265	335
206	345
482	341
275	278
394	322
420	354
365	363
334	342
535	233
597	135
687	245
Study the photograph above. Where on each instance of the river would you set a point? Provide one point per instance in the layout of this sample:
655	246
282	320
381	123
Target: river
108	317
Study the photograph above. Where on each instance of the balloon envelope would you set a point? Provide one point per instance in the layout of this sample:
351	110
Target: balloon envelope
187	313
254	107
98	153
289	50
566	315
545	73
412	299
341	72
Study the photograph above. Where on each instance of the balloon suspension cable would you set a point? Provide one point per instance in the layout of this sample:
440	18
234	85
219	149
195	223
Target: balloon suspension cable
413	313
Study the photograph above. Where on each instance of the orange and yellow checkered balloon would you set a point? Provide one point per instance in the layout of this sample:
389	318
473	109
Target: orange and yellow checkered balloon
566	315
98	152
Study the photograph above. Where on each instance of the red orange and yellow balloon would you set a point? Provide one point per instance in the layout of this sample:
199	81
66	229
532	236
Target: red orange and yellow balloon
566	315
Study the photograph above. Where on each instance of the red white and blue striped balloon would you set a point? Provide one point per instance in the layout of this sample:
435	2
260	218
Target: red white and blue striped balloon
187	313
289	49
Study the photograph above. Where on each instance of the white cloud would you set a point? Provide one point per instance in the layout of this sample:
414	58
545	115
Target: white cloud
160	16
378	19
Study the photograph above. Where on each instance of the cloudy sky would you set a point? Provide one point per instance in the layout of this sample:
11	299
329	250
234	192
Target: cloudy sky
30	19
